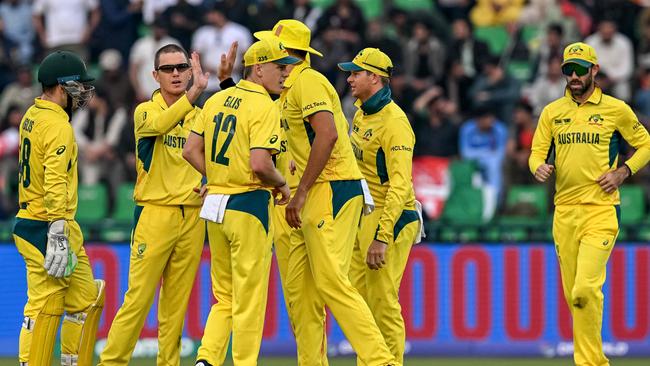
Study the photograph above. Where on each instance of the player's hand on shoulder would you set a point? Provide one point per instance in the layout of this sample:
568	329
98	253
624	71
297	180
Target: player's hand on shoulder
544	172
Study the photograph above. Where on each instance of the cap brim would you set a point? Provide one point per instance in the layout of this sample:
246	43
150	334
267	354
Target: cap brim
578	61
350	66
287	60
265	34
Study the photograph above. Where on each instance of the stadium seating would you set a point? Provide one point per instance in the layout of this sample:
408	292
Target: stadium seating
93	203
632	204
124	204
496	37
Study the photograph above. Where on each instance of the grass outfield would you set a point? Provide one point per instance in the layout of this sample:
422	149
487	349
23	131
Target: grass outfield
408	362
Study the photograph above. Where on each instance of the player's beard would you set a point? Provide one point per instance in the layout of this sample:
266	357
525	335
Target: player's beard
578	92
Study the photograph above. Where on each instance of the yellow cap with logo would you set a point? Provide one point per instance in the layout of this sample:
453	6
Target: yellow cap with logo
293	34
270	49
370	59
580	53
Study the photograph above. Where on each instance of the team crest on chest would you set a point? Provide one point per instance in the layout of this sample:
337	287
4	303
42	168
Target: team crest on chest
595	119
368	134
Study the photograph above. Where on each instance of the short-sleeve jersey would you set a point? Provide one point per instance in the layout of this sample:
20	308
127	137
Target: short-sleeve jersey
164	177
306	91
47	180
586	139
233	122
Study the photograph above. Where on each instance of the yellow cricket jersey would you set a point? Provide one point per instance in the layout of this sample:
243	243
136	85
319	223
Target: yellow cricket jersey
306	91
586	139
233	122
383	141
164	177
47	181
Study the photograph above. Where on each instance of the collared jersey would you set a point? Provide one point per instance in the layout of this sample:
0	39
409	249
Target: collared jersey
164	177
233	122
586	138
306	91
383	146
47	178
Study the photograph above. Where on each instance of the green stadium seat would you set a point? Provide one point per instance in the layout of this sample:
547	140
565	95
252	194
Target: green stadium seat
464	206
632	204
462	172
124	204
371	8
520	70
410	5
458	234
115	233
496	37
526	204
6	230
93	203
321	3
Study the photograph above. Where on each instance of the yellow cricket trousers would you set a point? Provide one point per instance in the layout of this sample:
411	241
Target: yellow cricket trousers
167	243
312	347
240	251
78	290
330	220
380	288
584	236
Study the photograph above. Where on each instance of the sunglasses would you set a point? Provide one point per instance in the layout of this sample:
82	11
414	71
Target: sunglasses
168	69
580	70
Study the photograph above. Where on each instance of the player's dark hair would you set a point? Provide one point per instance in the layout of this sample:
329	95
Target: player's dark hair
299	53
48	89
170	48
248	70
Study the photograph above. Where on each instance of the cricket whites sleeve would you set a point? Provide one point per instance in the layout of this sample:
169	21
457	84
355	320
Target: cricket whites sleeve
149	121
636	135
542	141
397	144
58	145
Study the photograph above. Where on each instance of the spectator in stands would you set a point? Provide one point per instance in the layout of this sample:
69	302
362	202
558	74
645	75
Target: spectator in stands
118	27
16	18
305	12
435	125
495	90
547	87
495	12
455	9
20	93
424	58
483	139
552	47
142	59
66	25
97	132
466	59
642	94
183	20
346	19
263	15
152	9
214	39
114	81
519	145
615	57
9	143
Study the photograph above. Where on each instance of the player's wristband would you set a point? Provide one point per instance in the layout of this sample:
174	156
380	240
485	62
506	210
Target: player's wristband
628	170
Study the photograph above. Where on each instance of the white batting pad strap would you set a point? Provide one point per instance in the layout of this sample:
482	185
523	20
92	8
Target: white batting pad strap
28	323
78	318
214	207
421	235
68	359
368	202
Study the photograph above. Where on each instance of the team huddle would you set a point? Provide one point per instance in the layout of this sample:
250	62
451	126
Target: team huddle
271	165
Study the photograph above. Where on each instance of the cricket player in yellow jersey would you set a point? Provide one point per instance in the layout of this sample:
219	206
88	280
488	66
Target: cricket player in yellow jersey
383	141
585	128
327	203
59	276
168	235
232	143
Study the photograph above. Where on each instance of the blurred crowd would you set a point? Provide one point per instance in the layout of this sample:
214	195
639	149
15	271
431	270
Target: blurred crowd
473	75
